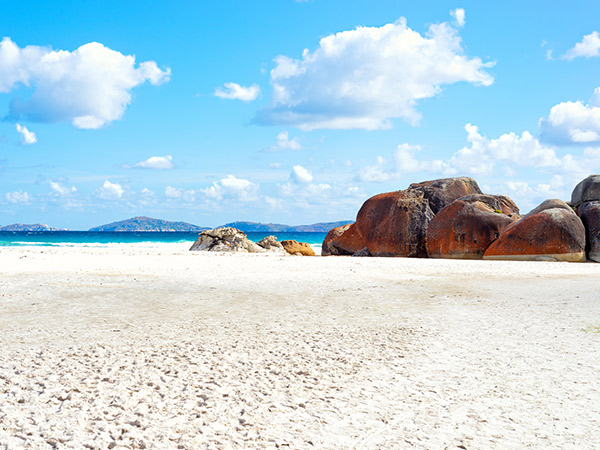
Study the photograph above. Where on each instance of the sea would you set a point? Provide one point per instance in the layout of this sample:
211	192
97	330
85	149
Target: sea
106	238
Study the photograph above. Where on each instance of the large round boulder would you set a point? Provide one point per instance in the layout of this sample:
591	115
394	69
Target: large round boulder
440	193
395	223
344	240
466	228
589	212
225	239
587	190
550	232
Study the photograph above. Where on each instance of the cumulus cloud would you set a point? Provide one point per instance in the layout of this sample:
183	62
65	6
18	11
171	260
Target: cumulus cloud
483	157
364	77
403	161
482	154
459	16
285	143
18	197
231	187
111	191
573	123
27	137
156	162
589	47
61	189
234	91
88	87
300	175
188	195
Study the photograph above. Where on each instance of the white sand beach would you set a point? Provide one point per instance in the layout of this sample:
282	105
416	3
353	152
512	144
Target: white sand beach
135	347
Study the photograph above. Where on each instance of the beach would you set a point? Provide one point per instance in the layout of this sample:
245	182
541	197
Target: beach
127	346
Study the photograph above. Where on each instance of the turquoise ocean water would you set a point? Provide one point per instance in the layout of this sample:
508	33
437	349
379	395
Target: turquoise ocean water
99	238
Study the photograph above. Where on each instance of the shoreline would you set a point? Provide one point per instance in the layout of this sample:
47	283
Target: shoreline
165	348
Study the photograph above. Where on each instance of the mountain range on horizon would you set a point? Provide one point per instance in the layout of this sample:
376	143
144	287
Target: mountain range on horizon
149	224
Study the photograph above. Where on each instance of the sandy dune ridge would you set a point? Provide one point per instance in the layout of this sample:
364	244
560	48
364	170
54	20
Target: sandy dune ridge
134	347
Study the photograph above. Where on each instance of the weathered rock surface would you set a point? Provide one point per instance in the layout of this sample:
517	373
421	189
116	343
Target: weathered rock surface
225	239
555	233
440	193
588	190
344	240
498	203
549	204
297	248
271	244
466	228
589	212
395	223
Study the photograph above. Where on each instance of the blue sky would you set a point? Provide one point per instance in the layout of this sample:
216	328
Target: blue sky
288	111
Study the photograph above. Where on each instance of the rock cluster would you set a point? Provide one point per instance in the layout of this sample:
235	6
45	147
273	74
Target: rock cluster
229	239
225	239
452	218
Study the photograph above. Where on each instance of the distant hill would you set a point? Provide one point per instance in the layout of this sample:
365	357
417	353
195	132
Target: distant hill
254	227
31	227
148	224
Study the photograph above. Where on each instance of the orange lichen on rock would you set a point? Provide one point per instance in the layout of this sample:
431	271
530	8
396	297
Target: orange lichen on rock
395	224
555	233
467	227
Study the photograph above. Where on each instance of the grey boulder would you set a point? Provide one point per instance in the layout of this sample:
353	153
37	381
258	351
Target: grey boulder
225	239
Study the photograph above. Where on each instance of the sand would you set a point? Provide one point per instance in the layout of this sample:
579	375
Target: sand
157	347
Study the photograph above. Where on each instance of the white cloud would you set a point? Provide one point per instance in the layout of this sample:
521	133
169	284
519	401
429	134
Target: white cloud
18	197
188	195
459	16
89	87
27	137
234	91
483	158
231	187
300	175
364	77
403	161
61	189
483	154
588	47
111	191
572	123
156	162
285	143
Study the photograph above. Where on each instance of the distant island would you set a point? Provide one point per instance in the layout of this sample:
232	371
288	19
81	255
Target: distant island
30	227
142	223
148	224
254	227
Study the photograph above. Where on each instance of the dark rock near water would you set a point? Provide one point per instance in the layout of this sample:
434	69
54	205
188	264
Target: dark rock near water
225	239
